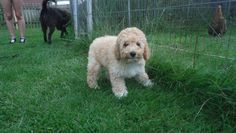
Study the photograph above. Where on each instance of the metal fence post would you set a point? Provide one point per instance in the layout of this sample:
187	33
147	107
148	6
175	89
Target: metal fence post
89	17
229	6
129	15
188	9
74	6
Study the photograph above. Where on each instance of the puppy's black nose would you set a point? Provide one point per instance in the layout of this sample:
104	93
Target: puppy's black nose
132	54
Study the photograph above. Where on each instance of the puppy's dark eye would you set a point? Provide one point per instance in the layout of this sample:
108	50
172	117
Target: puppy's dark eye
138	44
125	44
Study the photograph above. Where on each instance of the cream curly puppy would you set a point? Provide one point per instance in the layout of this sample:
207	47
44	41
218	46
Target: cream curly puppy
123	56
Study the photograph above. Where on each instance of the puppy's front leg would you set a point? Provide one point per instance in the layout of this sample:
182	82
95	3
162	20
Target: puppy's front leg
144	79
118	85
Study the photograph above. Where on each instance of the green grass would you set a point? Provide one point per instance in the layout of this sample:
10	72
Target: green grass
43	89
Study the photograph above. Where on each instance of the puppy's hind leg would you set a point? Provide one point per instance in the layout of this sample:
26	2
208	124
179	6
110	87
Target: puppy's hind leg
51	30
92	74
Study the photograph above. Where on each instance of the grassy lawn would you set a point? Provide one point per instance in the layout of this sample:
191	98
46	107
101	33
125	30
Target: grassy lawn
43	89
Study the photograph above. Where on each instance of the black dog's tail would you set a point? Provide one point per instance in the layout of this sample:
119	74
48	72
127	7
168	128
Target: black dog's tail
44	4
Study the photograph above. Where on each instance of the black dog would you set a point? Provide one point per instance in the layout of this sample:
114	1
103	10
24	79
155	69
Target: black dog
51	18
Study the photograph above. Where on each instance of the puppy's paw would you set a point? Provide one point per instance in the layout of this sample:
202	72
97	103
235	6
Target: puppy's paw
93	85
121	93
148	83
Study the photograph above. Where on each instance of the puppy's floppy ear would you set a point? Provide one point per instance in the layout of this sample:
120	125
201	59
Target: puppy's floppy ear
117	51
146	53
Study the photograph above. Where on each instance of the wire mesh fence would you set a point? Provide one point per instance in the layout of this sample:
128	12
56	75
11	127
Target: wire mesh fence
176	30
157	13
